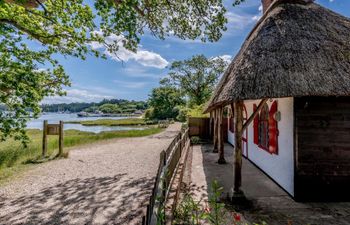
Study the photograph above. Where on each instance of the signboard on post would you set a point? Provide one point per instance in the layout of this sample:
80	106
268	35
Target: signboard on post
53	129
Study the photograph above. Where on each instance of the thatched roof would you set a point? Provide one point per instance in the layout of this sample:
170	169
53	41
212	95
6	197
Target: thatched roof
298	48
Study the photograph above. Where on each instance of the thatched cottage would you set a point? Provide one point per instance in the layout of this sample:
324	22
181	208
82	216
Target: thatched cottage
288	90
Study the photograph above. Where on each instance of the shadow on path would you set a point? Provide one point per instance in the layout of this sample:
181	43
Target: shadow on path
104	200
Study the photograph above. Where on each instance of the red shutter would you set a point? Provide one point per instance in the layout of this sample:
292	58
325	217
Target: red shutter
256	126
273	130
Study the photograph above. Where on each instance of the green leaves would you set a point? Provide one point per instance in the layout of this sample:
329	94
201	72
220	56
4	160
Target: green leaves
164	100
69	28
196	77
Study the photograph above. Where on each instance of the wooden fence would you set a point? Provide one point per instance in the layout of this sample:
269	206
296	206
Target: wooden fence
201	127
168	162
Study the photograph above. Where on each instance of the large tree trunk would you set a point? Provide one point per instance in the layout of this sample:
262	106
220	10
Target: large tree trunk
221	137
238	107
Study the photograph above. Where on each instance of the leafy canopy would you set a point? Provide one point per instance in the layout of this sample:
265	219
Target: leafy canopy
68	27
164	101
196	77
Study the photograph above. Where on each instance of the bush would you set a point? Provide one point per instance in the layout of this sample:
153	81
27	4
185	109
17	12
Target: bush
182	114
197	111
195	140
149	114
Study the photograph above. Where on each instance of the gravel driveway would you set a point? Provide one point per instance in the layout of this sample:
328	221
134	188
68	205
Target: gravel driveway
105	183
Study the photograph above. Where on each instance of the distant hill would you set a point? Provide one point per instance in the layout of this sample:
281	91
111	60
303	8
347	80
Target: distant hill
106	106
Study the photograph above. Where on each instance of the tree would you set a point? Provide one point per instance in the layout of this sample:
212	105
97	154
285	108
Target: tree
196	77
69	28
164	101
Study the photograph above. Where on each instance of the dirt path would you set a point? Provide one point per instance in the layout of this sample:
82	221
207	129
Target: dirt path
106	183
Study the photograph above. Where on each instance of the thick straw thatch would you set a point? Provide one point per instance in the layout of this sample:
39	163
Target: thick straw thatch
298	48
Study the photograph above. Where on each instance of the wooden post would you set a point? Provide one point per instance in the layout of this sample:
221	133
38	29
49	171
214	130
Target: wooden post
215	131
44	139
210	125
221	137
60	139
238	146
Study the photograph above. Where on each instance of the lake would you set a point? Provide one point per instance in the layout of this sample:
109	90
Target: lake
56	117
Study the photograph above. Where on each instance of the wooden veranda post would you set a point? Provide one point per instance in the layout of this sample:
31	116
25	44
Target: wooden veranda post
215	136
210	125
221	137
238	107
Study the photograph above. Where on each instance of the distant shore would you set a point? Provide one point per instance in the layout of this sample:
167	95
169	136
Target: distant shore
111	122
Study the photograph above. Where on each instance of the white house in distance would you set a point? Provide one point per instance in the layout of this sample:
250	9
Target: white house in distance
292	80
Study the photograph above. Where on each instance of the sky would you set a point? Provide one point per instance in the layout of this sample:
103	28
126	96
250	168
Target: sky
134	76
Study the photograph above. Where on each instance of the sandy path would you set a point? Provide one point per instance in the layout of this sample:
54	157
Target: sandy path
106	183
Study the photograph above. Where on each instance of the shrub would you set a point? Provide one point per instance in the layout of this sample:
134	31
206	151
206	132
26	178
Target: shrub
195	140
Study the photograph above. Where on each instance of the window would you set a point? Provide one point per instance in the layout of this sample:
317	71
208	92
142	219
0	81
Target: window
265	128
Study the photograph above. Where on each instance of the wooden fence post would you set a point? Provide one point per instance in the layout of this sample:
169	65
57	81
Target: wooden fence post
44	139
60	139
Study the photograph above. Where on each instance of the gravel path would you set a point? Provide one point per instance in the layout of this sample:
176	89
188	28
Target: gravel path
104	183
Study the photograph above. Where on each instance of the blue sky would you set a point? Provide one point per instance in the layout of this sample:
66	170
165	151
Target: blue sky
133	78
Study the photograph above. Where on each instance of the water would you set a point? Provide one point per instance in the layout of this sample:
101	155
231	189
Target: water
56	117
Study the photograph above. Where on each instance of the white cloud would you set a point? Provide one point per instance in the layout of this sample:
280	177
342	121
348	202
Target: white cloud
260	8
256	18
142	56
237	22
76	95
130	84
226	58
136	71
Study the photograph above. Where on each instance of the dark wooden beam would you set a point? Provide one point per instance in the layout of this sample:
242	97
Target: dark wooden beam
215	136
251	118
238	107
221	137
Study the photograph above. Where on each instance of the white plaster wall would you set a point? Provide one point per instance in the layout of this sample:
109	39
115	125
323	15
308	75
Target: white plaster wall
279	167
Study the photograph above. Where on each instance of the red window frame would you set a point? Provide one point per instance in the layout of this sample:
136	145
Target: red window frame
266	128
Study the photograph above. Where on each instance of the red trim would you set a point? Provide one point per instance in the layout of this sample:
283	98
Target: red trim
256	126
273	130
245	139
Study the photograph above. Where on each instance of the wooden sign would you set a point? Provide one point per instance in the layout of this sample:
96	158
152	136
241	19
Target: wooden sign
53	129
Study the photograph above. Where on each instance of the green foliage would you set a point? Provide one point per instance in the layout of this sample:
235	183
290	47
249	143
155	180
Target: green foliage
196	77
191	212
217	214
188	212
149	114
197	111
164	101
69	28
195	140
183	114
109	108
12	154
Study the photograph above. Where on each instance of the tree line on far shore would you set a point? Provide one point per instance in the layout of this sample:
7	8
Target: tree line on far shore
114	106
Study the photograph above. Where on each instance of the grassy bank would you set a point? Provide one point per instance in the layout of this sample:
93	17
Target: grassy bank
113	122
14	158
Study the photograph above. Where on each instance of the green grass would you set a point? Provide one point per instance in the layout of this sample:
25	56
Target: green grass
15	158
112	122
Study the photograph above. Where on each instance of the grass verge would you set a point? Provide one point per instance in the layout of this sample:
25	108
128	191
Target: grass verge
14	158
113	122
